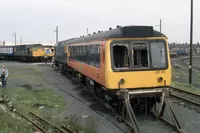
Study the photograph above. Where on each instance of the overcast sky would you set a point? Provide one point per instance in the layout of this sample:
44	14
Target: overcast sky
35	20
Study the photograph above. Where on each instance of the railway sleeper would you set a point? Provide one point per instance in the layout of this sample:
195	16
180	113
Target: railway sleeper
128	113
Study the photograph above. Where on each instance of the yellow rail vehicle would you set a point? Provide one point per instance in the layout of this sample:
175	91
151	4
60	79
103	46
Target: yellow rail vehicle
133	58
49	52
127	68
29	52
138	62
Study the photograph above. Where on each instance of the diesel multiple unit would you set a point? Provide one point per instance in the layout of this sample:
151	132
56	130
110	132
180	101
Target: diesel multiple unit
29	52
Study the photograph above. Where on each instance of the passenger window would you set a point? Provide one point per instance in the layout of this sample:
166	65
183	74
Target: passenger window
140	55
91	55
97	56
121	56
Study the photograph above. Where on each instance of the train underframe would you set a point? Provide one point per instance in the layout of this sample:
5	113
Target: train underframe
127	102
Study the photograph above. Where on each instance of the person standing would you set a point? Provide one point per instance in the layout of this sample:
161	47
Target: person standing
45	58
4	76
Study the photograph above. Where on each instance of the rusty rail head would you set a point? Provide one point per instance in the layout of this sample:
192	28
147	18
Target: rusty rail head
61	130
67	129
37	126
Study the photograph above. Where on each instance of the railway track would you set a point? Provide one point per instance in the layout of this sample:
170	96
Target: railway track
185	96
40	124
114	112
184	64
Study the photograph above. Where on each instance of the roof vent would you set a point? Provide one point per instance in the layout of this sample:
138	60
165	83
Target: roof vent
118	26
94	32
110	28
89	34
99	31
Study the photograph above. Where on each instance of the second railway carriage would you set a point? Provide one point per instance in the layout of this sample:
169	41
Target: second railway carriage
60	59
49	51
133	58
6	52
29	52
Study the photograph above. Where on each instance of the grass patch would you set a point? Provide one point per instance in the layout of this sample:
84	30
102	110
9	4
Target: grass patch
28	91
186	87
180	78
10	125
44	103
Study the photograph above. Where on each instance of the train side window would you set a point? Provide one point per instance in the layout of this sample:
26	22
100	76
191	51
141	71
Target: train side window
76	51
72	52
77	48
121	56
84	54
81	55
97	56
91	55
140	55
87	56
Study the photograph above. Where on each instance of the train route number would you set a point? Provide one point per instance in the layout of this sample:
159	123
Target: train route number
159	71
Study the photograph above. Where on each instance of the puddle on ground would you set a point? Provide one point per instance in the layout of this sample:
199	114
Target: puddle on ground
27	86
32	87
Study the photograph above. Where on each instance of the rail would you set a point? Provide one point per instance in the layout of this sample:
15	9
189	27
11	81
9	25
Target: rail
182	63
185	96
41	125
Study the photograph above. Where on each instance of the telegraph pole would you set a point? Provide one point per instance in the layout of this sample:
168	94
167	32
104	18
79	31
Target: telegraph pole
87	31
56	33
20	40
191	39
160	25
15	38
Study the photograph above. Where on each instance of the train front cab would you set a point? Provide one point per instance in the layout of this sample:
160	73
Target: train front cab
49	51
140	70
140	63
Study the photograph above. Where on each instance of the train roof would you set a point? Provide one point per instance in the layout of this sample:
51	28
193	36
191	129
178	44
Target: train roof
29	45
6	46
48	46
120	32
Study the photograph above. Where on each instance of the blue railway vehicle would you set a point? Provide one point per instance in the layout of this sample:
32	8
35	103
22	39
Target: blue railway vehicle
6	52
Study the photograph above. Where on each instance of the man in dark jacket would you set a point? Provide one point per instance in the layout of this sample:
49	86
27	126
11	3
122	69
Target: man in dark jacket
4	75
3	80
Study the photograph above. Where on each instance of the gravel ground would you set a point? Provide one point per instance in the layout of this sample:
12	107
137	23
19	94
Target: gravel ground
79	103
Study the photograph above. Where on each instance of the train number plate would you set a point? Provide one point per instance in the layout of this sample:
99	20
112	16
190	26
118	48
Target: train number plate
159	71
